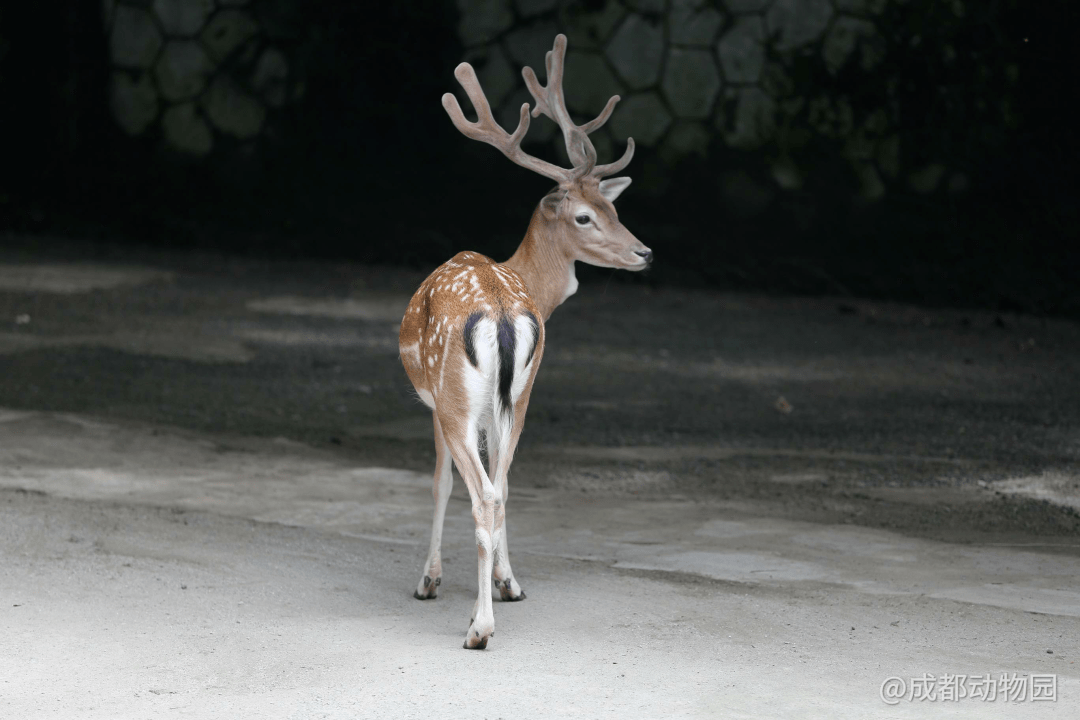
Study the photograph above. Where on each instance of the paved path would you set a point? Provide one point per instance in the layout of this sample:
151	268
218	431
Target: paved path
158	561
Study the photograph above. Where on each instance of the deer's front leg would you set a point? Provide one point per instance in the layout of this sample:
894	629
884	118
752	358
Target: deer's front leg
427	589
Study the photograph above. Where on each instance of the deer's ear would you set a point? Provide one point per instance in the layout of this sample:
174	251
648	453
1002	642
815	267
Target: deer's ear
550	205
613	187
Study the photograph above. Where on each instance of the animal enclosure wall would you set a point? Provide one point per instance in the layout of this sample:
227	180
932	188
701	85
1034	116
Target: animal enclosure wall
907	148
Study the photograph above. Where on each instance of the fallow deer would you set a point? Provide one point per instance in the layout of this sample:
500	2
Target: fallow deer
473	335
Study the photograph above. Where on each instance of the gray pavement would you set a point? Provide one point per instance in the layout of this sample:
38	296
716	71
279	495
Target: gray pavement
215	499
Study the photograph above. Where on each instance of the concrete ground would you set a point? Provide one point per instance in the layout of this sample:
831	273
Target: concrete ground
215	502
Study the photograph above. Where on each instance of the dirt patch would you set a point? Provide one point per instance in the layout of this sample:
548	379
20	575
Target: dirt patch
893	415
73	279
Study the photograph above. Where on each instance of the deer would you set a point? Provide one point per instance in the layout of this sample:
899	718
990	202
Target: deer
472	337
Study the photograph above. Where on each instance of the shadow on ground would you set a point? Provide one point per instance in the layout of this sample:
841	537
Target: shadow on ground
751	505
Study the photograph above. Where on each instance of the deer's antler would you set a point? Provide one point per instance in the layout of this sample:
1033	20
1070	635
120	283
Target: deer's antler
551	102
487	130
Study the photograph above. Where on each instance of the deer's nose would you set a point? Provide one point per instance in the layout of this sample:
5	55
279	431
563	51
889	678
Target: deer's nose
647	254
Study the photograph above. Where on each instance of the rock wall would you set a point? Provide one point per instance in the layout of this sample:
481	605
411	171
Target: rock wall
900	148
198	71
778	77
773	76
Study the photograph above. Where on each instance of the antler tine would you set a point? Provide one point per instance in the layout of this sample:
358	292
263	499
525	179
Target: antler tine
538	91
611	168
587	149
598	122
551	102
486	129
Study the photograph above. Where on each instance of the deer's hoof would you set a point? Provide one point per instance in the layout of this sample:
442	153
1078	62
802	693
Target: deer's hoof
427	589
480	645
510	591
479	634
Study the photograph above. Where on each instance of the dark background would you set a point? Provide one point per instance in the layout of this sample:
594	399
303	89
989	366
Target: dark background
368	167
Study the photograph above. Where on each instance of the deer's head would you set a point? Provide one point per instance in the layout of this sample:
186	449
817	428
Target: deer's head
579	214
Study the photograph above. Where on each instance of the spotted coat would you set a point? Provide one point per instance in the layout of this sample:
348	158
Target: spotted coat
432	339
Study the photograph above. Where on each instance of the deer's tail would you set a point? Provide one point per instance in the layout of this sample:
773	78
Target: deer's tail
502	349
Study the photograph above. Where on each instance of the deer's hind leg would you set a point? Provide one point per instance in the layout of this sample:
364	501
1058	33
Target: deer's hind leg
463	446
427	589
508	587
528	351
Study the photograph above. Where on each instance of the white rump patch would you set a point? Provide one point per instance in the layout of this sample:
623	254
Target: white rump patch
480	382
524	333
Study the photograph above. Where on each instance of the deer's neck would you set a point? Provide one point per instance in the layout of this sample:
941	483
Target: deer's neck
547	270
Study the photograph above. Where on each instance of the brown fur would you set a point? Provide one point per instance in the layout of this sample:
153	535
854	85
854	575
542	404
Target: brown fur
435	347
444	301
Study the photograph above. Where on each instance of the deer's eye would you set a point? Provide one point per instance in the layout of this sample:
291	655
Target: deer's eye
582	219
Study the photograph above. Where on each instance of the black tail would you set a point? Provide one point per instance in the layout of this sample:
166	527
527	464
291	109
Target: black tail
507	340
470	341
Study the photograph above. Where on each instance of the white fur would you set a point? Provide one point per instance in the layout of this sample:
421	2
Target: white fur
480	381
523	328
571	284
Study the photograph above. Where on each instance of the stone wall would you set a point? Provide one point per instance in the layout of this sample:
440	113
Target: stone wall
773	76
904	148
197	71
